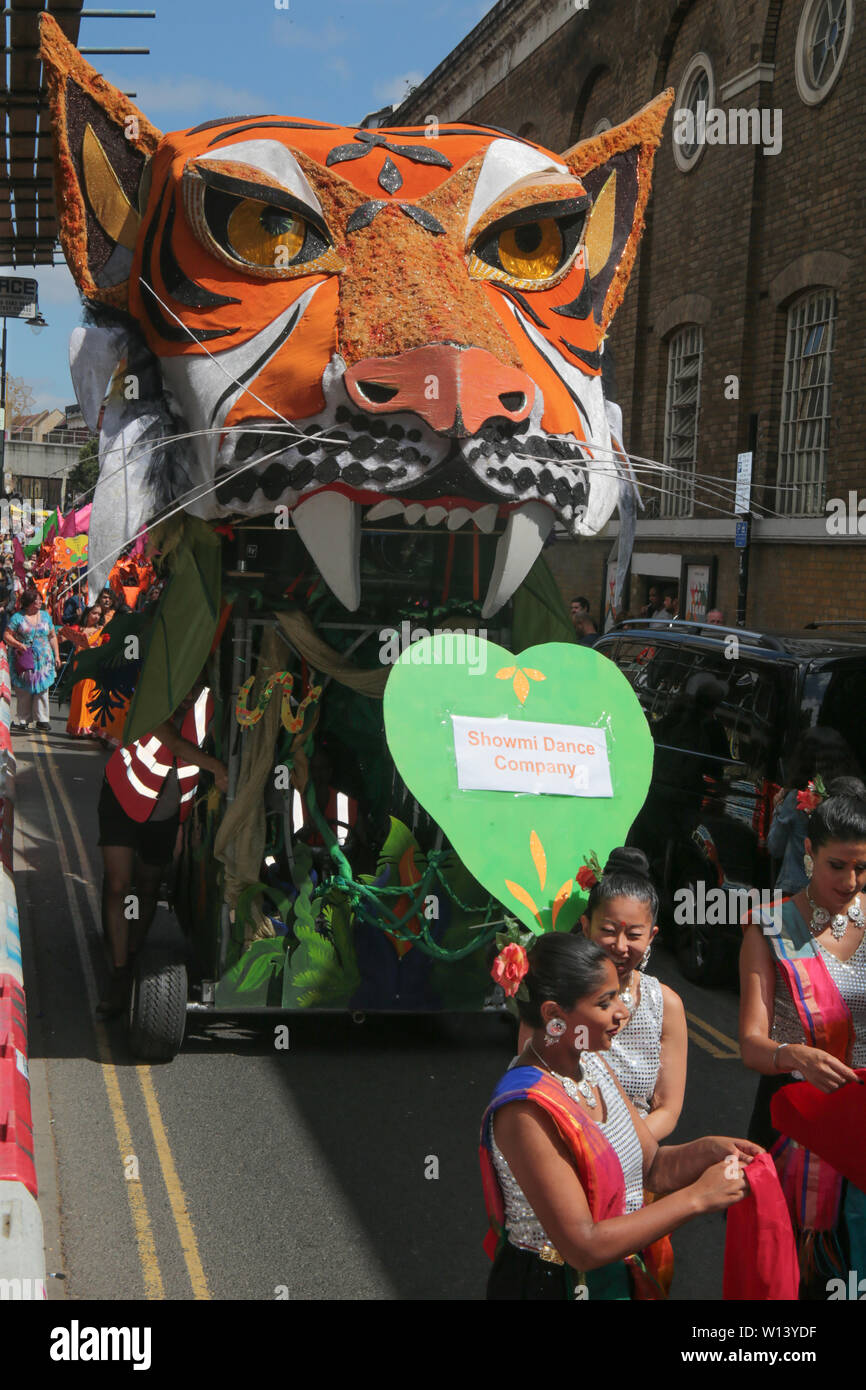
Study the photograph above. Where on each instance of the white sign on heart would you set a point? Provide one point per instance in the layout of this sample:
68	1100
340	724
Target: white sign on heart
506	755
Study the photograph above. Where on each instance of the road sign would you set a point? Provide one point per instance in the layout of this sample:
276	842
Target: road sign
741	535
18	297
744	482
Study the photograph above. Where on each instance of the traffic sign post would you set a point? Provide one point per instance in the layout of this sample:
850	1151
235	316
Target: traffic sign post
18	297
742	510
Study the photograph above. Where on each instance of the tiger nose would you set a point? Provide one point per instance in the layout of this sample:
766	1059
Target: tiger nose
455	390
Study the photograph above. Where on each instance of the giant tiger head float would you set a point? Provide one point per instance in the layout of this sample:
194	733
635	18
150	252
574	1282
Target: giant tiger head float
407	321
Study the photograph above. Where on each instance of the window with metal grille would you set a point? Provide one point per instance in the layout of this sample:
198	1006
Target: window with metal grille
805	424
682	408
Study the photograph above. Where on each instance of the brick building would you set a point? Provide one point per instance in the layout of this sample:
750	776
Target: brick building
745	318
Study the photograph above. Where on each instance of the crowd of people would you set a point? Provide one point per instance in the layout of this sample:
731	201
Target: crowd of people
661	603
581	1193
45	619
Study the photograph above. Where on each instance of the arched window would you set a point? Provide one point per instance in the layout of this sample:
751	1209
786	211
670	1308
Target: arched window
805	423
682	409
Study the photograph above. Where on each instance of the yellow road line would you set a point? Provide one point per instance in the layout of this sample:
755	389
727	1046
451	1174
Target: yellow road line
173	1186
153	1287
170	1175
730	1043
175	1190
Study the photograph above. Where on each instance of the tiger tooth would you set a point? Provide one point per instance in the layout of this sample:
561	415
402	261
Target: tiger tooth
485	517
458	518
414	512
516	552
392	506
329	524
434	515
601	501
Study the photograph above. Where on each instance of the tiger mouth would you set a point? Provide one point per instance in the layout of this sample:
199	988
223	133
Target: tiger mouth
328	469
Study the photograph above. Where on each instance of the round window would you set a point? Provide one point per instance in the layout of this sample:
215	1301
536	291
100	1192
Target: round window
822	43
695	97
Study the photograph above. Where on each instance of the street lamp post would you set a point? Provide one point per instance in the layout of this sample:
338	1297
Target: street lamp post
18	298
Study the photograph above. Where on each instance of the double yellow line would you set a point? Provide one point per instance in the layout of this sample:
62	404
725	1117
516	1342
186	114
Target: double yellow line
730	1049
153	1285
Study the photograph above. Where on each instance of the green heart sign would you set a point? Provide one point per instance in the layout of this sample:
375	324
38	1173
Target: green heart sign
530	763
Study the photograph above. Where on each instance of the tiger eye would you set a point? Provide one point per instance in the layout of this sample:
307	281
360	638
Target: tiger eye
265	235
532	251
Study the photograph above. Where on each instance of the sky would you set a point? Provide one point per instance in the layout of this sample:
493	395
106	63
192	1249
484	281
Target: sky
332	59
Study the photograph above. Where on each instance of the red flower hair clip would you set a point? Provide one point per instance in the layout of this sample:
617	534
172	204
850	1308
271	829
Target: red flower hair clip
589	873
812	797
509	967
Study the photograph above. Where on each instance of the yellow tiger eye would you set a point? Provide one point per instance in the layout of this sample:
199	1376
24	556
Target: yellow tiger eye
533	251
265	235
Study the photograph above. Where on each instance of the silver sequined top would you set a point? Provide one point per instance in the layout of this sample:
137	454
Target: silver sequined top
635	1054
849	977
520	1220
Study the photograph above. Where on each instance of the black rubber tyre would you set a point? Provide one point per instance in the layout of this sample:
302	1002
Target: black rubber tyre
699	947
157	1008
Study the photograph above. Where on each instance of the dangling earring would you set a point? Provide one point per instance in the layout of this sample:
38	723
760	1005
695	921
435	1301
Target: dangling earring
808	864
645	958
553	1031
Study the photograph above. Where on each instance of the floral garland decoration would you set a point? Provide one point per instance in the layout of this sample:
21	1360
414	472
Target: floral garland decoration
813	796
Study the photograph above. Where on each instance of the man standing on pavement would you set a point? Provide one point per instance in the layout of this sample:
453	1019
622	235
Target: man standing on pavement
147	793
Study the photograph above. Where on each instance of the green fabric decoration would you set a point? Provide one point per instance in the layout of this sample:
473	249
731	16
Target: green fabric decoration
49	525
539	611
181	634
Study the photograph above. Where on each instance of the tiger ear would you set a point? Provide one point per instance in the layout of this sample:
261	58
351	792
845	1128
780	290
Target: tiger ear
615	168
102	150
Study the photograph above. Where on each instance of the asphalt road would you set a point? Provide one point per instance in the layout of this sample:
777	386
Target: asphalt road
241	1171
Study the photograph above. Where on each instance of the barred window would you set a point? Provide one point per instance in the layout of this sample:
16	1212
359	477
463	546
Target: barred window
805	423
682	408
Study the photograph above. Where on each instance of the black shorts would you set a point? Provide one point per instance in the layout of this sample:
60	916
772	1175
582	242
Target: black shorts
153	841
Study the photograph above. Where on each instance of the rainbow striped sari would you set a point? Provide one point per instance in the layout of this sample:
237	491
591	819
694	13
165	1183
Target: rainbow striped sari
600	1172
815	1192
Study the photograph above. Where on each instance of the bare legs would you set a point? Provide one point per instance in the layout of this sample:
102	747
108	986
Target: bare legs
130	891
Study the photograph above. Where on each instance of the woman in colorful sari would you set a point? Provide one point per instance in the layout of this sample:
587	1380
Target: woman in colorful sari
80	721
803	1018
564	1154
649	1053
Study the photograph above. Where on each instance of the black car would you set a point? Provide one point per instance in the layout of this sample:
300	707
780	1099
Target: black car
725	707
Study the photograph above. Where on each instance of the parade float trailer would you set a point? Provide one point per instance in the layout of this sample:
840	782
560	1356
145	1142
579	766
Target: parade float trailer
354	381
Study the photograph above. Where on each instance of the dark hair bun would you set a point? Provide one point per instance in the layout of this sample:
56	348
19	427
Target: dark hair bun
625	860
847	786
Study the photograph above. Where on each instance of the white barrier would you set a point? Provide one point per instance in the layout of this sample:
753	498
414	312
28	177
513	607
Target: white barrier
22	1246
22	1255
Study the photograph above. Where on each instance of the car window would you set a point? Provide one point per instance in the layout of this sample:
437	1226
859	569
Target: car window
698	701
838	697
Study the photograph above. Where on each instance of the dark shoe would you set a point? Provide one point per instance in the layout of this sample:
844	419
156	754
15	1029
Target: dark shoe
44	728
116	997
19	725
